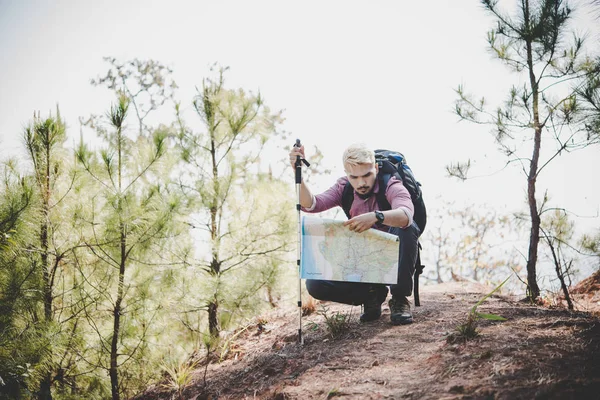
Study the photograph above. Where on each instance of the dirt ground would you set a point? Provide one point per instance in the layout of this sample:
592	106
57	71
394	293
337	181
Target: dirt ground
540	352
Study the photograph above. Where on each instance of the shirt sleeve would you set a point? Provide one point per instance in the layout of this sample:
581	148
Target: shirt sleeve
330	198
399	198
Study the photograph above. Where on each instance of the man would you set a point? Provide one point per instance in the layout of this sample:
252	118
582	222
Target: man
361	171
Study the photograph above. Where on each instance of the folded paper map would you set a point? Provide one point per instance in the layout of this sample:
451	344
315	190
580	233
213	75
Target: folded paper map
330	251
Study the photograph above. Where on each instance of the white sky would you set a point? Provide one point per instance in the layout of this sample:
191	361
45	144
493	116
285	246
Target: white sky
382	72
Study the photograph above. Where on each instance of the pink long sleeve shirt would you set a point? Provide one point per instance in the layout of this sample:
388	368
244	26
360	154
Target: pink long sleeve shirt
396	194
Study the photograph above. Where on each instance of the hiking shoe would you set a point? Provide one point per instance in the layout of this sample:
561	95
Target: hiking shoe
371	307
400	313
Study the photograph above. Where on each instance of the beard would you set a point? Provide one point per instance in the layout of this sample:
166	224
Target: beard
364	192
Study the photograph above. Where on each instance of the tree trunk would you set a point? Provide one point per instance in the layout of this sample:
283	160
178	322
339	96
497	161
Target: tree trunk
559	272
213	320
534	236
114	355
213	306
46	271
114	366
565	289
438	269
45	392
113	371
438	266
270	297
534	239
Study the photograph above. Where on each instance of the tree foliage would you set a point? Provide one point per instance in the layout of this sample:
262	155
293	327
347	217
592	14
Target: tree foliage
471	243
146	83
245	234
19	343
557	231
143	243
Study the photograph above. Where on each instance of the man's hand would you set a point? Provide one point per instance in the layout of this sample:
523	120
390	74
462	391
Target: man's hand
362	222
294	153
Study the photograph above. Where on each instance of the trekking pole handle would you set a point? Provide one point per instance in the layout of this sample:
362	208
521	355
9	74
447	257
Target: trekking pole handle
298	158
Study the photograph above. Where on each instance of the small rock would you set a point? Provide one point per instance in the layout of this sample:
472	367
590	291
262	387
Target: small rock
375	363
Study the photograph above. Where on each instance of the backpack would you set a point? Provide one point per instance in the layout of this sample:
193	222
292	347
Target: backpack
393	163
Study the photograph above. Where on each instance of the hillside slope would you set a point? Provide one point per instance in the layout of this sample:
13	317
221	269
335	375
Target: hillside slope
537	353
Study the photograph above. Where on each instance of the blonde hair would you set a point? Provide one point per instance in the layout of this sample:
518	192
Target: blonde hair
358	153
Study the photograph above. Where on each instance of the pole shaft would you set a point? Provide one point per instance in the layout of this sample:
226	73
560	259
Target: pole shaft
299	248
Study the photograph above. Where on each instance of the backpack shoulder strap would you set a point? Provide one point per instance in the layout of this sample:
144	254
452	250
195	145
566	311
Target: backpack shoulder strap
386	171
382	201
347	199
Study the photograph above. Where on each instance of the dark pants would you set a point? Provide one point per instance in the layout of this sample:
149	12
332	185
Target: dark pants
355	293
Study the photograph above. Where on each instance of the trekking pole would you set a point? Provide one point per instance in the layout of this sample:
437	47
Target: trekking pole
299	161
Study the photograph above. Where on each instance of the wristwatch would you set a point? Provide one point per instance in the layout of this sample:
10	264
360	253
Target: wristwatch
380	217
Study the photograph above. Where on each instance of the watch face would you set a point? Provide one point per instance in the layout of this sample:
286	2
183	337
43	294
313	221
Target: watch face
379	216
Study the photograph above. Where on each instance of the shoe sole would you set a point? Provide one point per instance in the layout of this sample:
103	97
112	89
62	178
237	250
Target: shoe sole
370	319
405	321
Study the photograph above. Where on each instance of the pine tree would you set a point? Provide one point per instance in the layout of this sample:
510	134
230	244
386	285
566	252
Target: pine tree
43	139
544	110
131	213
243	213
52	251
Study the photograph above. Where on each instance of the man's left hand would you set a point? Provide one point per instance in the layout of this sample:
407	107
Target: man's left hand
361	223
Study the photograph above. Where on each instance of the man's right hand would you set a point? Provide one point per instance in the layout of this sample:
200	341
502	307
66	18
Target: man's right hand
294	153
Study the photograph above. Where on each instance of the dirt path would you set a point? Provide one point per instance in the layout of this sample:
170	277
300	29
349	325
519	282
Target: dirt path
537	353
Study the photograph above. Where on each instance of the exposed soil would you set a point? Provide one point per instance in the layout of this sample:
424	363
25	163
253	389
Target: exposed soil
538	353
588	291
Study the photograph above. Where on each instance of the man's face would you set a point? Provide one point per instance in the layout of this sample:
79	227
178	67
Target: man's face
362	177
